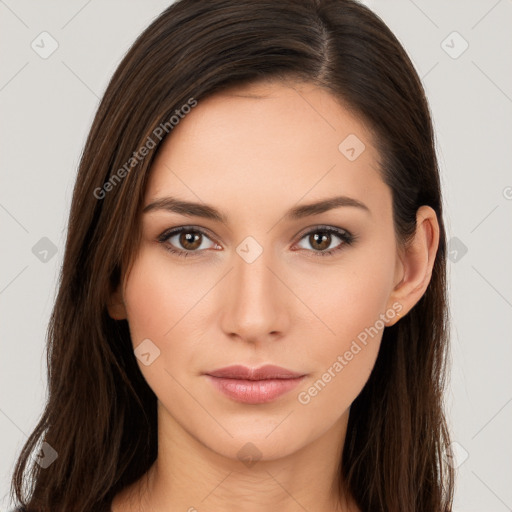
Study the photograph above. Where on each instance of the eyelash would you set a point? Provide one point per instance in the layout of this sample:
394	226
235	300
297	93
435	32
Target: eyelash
346	237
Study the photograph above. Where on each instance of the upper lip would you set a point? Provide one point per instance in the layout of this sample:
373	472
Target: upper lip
265	372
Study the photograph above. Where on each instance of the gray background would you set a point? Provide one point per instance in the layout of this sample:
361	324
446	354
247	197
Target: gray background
47	107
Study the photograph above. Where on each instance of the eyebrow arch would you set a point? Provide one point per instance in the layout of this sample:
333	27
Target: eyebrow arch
174	205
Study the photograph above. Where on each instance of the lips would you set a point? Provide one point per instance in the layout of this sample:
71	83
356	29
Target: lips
263	373
254	385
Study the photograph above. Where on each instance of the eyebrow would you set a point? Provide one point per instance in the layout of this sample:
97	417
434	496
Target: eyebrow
192	209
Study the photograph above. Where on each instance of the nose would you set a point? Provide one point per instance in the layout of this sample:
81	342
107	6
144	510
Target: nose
256	304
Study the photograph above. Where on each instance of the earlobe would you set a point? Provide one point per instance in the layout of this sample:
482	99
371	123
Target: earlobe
417	261
116	307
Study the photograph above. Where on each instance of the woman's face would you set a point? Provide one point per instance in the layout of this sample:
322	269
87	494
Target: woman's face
259	286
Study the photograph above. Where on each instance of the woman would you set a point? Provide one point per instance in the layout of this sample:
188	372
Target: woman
252	306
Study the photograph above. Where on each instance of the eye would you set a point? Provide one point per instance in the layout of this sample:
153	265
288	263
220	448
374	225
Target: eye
321	240
185	240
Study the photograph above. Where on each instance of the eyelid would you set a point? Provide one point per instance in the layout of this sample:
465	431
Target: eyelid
321	227
178	229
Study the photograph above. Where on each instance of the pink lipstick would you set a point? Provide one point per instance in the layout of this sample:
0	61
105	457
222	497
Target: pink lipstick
254	385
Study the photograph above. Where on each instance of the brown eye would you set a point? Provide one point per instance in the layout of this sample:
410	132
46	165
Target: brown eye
190	240
186	241
322	240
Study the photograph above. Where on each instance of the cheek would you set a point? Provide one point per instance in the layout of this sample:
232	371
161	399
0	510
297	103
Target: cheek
157	301
149	304
349	299
352	309
343	362
160	296
162	302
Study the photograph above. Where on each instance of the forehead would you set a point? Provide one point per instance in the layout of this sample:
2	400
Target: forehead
275	142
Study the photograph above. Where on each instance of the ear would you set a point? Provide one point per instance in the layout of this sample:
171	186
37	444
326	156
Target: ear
116	307
416	262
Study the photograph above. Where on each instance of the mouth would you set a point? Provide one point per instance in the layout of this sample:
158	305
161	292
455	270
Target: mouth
254	385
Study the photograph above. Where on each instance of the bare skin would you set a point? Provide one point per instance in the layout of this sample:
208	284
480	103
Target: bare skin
253	159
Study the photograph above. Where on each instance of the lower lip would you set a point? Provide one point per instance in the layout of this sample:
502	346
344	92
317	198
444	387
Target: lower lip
254	391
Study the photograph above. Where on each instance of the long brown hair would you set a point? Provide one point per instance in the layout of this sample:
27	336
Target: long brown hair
100	416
